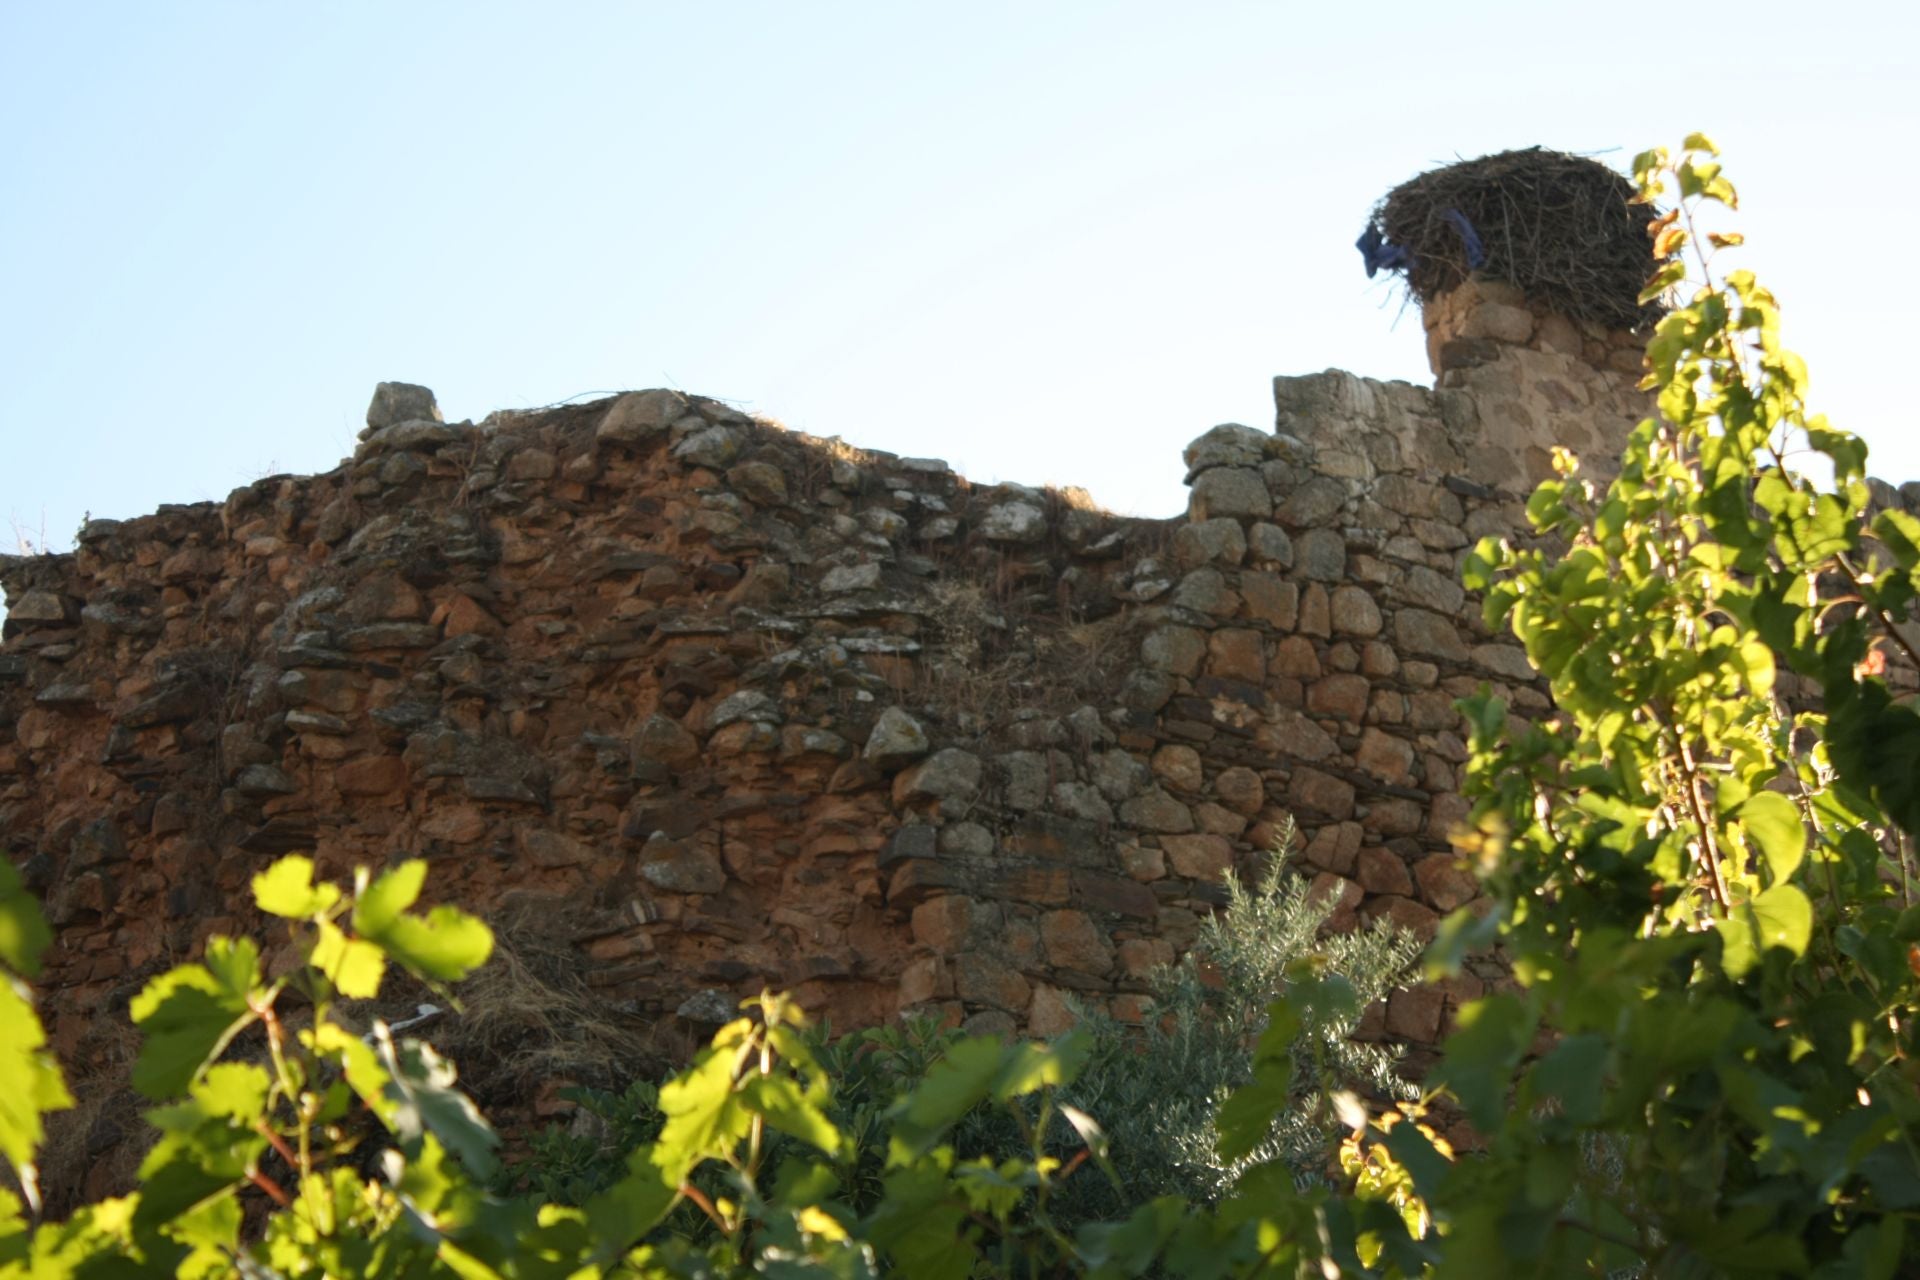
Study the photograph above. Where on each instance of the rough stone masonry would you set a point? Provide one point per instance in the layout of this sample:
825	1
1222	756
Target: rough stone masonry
725	706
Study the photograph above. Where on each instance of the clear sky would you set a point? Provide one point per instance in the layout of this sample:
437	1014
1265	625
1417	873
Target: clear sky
1048	241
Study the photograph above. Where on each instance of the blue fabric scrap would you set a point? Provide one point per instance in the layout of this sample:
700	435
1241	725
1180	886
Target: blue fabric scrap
1476	252
1380	253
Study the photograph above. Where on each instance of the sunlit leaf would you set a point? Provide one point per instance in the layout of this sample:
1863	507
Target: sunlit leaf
1776	830
445	945
787	1109
354	967
187	1014
380	903
30	1083
1780	917
287	889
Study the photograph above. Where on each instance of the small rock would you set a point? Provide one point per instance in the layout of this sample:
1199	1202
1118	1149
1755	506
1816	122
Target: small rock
258	781
948	775
1427	635
896	739
1354	613
1017	521
390	635
1154	810
664	741
967	839
850	577
1179	767
711	447
639	416
372	776
1206	591
397	402
65	694
1176	650
1445	881
760	482
1240	789
1081	800
1313	503
531	464
679	867
1228	445
1321	554
709	1008
1269	544
1071	940
180	702
551	849
744	704
1206	858
40	606
1023	779
1215	541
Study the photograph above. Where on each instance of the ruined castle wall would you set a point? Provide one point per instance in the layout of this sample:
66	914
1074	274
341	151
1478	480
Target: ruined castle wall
718	706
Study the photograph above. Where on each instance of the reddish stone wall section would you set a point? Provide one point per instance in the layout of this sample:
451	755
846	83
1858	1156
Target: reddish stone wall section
731	707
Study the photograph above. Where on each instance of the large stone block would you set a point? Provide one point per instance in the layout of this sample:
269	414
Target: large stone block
1235	493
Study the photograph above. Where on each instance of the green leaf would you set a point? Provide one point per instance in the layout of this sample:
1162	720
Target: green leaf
23	930
1480	1057
1901	534
1031	1066
445	945
921	1226
628	1209
235	1089
960	1081
286	889
1418	1156
421	1088
1874	1251
1573	1072
780	1100
1668	277
1780	917
188	1014
1776	831
30	1083
358	1062
1246	1117
355	968
378	905
705	1118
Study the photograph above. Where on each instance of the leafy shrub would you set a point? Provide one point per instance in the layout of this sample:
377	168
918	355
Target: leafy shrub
1158	1086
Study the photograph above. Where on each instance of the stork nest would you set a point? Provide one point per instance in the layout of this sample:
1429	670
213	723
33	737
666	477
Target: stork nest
1561	228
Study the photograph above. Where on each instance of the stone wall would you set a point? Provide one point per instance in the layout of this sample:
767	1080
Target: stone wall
717	706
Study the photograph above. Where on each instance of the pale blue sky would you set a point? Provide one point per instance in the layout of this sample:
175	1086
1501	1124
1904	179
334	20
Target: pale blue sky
1048	241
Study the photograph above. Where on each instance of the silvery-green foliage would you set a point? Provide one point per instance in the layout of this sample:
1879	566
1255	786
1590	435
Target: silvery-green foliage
1157	1088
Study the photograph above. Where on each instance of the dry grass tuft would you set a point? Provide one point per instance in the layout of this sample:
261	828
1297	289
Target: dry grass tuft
528	1017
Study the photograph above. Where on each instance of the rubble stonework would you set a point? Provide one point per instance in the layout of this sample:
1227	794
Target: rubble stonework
729	706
